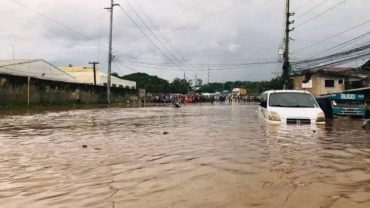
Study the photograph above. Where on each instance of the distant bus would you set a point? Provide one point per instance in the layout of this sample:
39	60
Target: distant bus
340	104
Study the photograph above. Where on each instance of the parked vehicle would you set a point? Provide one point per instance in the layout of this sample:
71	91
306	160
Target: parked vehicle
238	92
340	104
290	107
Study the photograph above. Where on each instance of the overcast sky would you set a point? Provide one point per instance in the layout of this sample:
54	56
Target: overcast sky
193	34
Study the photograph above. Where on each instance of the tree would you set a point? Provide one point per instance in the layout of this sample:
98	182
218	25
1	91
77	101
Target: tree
114	74
180	86
151	84
252	87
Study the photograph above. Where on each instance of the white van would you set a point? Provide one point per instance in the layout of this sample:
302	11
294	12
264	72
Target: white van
290	107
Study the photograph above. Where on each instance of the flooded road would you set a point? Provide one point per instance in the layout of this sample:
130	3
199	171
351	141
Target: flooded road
196	156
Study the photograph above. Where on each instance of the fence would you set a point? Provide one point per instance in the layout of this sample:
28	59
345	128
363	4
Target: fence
18	90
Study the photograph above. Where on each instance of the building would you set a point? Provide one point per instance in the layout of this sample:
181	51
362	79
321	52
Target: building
34	68
86	75
325	81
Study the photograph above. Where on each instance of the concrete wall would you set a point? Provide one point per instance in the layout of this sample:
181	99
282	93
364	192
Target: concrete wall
318	84
14	91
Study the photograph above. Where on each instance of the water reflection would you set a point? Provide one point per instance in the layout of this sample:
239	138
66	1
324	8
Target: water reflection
211	156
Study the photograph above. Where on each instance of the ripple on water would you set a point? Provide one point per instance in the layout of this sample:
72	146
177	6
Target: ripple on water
212	156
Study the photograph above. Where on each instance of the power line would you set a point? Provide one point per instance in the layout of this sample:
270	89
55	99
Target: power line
332	36
335	55
310	10
321	13
161	34
53	20
180	57
146	35
204	18
345	44
170	67
337	62
153	34
302	5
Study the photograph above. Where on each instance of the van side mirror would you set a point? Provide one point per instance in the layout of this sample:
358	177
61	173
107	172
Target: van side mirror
263	104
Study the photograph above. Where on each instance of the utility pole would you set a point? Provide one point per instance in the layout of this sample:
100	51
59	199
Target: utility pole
208	74
94	63
112	5
286	65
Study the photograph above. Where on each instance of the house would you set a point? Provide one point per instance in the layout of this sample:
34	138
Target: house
325	81
34	68
86	75
366	66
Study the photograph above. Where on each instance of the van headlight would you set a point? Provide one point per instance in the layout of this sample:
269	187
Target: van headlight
320	117
273	116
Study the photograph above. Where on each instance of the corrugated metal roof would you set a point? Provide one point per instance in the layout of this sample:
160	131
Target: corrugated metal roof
86	75
36	68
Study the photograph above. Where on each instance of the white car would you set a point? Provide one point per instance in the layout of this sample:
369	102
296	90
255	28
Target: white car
290	107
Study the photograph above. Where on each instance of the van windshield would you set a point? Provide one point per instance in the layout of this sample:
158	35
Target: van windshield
292	100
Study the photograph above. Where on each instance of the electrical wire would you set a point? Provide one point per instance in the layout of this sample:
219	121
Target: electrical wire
344	44
53	20
203	19
312	9
147	36
335	62
169	67
180	58
302	5
336	55
332	36
154	35
320	14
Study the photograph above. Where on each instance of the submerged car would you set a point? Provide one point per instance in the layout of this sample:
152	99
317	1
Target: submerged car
290	107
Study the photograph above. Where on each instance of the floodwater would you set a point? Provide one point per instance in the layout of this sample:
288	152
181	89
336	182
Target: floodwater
195	156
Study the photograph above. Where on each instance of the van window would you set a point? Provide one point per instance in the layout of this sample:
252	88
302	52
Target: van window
292	100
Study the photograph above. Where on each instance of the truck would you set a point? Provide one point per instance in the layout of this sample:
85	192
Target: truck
239	92
343	105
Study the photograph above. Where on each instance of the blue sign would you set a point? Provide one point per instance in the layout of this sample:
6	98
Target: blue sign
341	96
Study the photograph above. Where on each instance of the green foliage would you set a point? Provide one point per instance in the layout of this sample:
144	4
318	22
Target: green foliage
151	84
212	87
252	87
154	84
180	86
114	74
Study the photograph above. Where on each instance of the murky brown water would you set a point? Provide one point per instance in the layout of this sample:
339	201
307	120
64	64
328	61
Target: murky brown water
212	156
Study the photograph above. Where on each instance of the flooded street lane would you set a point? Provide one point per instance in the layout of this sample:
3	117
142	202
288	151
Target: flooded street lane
196	156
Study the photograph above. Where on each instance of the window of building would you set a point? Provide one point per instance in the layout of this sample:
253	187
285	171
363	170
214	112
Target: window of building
121	86
329	83
105	84
340	81
114	85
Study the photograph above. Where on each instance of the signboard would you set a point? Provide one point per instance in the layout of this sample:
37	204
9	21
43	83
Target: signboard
340	96
141	93
307	85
